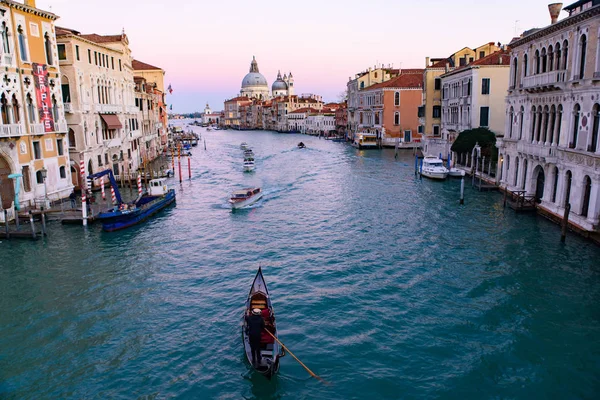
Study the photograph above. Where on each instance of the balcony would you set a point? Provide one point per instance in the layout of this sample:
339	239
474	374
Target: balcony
68	107
552	80
37	129
135	134
6	59
61	127
108	108
538	151
11	130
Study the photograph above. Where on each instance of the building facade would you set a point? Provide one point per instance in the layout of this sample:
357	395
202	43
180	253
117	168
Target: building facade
550	144
33	145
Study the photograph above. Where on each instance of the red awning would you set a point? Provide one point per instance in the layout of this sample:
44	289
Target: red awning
112	121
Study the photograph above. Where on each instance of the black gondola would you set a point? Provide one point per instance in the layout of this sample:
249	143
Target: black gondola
301	145
270	350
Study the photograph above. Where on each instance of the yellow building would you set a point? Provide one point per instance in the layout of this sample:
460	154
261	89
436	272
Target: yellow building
32	125
430	112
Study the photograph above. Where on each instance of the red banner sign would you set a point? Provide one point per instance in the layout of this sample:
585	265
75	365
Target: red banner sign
44	98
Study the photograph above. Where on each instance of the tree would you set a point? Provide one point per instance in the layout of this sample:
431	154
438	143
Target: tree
466	140
342	96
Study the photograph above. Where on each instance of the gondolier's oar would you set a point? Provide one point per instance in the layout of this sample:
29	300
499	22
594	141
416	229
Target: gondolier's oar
296	358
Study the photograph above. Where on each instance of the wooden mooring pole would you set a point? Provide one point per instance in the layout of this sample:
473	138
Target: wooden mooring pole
6	223
43	222
462	188
565	223
32	224
505	191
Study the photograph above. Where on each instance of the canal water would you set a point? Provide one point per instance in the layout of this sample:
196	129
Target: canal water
382	284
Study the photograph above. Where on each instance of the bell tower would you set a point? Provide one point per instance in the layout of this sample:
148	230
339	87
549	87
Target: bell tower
290	84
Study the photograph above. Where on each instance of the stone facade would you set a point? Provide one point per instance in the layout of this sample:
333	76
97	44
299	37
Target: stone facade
550	144
32	125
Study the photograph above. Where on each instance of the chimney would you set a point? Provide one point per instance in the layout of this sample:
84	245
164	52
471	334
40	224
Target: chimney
447	67
426	62
554	9
30	3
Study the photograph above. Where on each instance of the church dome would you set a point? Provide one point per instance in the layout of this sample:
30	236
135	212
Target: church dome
254	78
279	83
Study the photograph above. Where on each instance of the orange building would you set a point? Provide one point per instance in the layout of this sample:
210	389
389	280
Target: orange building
389	109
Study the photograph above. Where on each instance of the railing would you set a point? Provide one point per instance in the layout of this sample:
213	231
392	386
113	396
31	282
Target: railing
116	142
10	130
135	134
108	108
68	107
545	79
61	126
7	59
37	129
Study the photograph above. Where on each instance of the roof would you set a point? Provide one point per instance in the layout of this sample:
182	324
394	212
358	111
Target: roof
410	80
93	37
65	31
239	98
501	57
580	3
303	110
142	66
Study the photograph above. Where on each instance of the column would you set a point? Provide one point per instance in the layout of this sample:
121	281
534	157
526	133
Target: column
594	208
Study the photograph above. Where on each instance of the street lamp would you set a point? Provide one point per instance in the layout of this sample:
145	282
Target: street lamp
44	173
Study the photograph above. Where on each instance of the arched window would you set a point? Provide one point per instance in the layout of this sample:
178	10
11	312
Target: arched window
54	108
362	85
39	178
544	60
565	54
546	120
576	112
48	47
22	43
524	174
63	172
595	127
559	111
587	191
533	120
557	51
582	53
552	124
555	188
550	58
5	109
537	61
539	123
507	165
72	143
376	118
30	109
66	89
5	42
514	74
397	98
511	116
525	65
15	110
521	118
396	118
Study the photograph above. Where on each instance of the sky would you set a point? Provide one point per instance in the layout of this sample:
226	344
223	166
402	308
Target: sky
206	46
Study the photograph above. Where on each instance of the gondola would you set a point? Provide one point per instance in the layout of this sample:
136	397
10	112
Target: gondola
270	349
301	145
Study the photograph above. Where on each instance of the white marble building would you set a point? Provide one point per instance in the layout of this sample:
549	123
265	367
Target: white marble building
550	145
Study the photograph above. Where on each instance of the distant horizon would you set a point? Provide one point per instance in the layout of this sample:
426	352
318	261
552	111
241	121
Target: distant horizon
206	61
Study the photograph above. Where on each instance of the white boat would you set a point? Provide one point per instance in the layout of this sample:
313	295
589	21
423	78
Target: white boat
434	168
245	197
455	172
365	140
249	164
244	146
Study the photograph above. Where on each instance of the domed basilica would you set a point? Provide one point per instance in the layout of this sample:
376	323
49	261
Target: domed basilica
255	85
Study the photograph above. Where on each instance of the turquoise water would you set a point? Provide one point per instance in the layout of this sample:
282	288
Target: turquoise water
382	284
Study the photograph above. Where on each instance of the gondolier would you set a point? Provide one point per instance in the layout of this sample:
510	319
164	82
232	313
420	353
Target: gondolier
254	327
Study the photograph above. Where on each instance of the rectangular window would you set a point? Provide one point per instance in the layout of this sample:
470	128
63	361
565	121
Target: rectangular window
99	160
90	56
481	54
106	158
59	147
77	52
112	62
37	151
26	178
437	111
420	129
62	51
96	57
438	83
436	130
484	116
407	136
120	69
485	86
462	61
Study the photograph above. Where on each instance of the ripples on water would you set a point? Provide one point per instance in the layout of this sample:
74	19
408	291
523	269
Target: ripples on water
382	284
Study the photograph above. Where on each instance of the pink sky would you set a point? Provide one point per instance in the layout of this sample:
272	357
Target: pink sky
206	46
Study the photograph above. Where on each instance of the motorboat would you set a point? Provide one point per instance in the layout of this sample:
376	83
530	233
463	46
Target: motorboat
245	197
249	164
455	172
301	145
270	349
123	215
244	146
248	152
365	140
433	168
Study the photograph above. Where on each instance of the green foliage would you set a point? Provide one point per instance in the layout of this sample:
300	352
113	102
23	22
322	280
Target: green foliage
486	139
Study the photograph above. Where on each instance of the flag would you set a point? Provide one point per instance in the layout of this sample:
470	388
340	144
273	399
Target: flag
170	89
171	107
